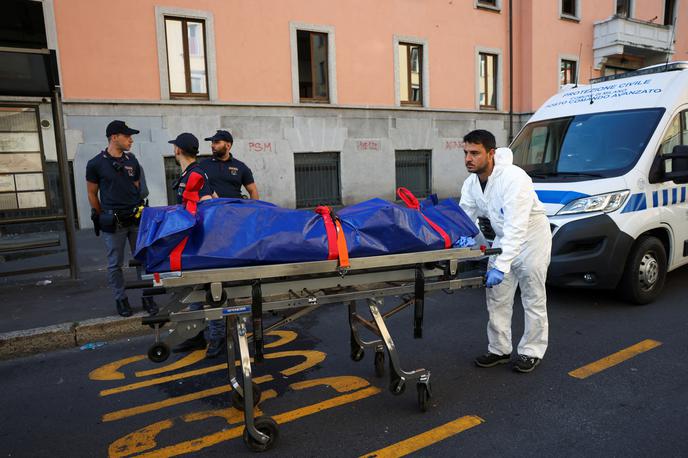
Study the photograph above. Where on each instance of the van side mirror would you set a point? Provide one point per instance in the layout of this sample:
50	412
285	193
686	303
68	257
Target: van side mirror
676	164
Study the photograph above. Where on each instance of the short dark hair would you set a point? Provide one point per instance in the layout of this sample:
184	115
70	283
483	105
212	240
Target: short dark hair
481	137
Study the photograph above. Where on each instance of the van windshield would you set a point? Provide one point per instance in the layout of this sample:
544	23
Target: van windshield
597	145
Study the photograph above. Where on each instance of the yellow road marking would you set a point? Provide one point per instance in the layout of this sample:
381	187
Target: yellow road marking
341	384
284	338
200	443
145	438
161	380
130	412
188	360
614	359
312	357
415	443
111	371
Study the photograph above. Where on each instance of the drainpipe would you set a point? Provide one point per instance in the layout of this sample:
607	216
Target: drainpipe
511	72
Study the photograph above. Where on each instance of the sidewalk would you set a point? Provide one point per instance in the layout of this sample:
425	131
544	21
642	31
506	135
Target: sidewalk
49	310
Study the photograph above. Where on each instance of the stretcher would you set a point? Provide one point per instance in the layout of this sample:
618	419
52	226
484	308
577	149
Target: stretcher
251	297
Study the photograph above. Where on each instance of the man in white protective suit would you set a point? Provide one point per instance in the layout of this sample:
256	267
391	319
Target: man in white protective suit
502	195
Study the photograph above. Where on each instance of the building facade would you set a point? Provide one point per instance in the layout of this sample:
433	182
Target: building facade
333	101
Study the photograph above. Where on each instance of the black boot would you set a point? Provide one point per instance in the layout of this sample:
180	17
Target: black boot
123	307
149	305
195	343
215	349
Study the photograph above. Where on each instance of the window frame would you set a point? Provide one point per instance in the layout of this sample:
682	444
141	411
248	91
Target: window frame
46	185
630	10
161	13
294	28
187	60
427	162
315	98
674	12
397	41
336	200
488	5
568	58
497	76
409	71
568	16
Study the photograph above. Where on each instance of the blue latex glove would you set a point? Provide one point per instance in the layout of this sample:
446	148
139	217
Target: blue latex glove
493	277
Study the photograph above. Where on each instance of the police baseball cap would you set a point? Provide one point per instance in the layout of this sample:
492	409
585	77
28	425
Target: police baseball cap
119	127
187	142
221	135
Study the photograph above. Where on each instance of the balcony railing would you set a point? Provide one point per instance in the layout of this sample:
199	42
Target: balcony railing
618	36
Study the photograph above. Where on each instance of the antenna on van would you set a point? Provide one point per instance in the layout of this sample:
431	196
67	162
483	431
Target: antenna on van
671	42
580	48
591	83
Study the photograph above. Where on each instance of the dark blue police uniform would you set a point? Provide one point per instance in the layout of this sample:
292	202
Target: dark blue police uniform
115	177
227	177
119	198
180	185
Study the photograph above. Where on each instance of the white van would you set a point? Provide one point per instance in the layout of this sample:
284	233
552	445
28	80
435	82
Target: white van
609	161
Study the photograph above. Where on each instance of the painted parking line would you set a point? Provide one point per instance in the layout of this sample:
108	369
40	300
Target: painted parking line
614	359
143	442
145	408
420	441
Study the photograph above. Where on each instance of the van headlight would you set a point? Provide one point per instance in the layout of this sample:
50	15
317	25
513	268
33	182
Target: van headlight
600	203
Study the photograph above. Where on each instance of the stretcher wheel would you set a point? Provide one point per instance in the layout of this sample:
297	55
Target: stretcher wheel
238	400
423	396
357	354
267	426
380	363
158	352
154	325
397	387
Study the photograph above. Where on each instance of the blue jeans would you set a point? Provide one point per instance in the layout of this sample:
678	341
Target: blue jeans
215	332
115	243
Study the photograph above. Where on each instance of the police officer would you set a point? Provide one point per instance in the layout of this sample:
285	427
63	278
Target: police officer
114	192
185	152
227	174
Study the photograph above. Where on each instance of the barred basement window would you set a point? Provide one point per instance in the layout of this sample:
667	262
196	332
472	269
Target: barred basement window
172	172
413	171
318	179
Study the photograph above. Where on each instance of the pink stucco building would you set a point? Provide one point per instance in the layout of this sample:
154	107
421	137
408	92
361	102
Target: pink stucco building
335	100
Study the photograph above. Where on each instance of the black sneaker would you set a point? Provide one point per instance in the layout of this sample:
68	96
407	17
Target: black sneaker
526	363
123	307
197	342
215	349
491	360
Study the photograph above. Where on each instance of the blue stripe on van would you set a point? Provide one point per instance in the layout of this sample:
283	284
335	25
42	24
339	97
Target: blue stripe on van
636	203
683	194
558	197
655	200
674	195
665	197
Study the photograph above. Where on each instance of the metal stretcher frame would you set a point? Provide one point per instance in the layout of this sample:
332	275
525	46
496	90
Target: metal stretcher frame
241	294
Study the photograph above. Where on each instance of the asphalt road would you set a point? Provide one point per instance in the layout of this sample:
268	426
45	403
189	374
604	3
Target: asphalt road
102	402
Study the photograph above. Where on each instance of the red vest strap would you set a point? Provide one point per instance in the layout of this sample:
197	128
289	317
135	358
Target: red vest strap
190	199
412	202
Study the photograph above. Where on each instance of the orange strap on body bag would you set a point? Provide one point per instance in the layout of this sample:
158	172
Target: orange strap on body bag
336	242
412	202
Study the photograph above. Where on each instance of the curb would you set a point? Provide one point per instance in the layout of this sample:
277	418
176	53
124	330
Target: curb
16	344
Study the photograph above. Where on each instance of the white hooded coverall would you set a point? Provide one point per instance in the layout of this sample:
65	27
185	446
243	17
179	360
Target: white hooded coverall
522	232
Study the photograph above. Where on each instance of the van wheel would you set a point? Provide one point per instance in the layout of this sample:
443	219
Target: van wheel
645	272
